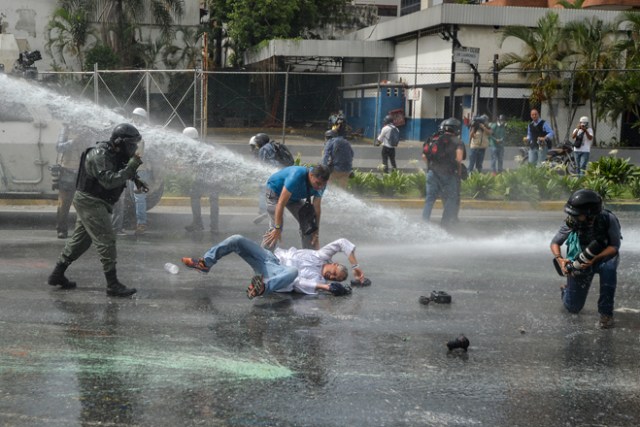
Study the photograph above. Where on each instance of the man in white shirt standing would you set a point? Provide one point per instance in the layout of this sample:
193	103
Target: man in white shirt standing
389	138
302	270
582	139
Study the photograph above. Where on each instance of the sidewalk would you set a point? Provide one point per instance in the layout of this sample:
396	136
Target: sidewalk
547	205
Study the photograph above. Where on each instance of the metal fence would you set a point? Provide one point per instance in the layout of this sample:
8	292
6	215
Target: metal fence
294	102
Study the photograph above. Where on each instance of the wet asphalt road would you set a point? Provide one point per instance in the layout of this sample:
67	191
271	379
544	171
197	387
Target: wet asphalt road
191	349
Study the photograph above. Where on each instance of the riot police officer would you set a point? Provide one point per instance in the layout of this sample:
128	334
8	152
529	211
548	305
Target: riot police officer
102	177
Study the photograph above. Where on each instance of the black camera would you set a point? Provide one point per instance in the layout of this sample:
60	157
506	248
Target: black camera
26	59
477	121
574	267
439	297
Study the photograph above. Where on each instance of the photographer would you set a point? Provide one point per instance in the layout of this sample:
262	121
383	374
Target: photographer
592	236
582	139
478	142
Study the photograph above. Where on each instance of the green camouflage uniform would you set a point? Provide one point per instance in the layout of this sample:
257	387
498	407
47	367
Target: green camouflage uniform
94	209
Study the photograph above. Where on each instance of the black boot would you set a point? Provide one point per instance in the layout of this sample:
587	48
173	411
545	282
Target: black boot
115	288
57	277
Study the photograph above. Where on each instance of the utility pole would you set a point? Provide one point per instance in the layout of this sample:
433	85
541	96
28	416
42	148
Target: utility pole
495	87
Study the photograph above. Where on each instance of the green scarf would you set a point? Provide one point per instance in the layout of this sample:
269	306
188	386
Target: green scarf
573	245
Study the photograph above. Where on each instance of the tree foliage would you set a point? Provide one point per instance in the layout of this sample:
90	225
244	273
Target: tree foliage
69	31
542	58
249	22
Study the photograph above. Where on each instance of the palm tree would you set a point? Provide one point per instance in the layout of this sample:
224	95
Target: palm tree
544	50
121	22
592	44
69	31
186	53
620	92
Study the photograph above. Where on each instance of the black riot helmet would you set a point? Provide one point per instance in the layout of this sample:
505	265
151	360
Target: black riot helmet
584	202
451	125
125	136
387	120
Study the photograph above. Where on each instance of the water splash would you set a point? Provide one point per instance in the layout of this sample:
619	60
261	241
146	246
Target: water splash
233	174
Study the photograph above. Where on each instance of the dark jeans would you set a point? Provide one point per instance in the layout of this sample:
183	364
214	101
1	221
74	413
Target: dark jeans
575	294
445	187
476	158
388	155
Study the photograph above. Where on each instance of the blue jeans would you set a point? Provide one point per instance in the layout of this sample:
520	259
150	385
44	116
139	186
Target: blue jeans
582	158
537	155
476	158
497	157
575	294
446	187
276	276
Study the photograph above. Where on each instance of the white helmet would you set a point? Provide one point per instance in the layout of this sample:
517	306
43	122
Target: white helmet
584	119
140	112
191	133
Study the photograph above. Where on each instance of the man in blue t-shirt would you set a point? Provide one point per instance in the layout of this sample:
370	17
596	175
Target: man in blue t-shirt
290	188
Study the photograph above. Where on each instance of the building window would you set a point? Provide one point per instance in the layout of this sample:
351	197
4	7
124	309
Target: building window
409	6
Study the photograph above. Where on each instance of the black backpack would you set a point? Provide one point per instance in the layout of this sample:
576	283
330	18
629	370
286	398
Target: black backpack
283	155
435	147
394	136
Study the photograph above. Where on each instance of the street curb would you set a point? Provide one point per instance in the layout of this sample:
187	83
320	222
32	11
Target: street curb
555	205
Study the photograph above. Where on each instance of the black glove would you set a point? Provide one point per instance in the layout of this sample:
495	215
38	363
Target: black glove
338	289
141	186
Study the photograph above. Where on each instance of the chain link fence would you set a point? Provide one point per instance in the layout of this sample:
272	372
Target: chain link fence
289	103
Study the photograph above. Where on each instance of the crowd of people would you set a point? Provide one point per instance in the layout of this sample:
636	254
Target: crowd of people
104	173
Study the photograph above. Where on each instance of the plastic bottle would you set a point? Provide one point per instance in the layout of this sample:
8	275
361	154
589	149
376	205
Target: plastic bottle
171	268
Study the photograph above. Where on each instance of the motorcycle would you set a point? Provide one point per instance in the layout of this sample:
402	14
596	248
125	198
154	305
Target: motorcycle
559	158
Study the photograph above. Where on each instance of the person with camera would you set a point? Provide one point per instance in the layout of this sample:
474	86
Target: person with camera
444	153
478	142
582	139
540	137
285	270
102	177
592	236
496	144
338	158
72	141
298	189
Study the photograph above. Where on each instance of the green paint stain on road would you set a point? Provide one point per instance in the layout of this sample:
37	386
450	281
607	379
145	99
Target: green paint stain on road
157	365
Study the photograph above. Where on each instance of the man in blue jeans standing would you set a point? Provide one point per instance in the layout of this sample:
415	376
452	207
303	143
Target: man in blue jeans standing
586	224
444	153
303	270
540	137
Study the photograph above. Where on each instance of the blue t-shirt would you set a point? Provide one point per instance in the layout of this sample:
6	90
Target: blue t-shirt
294	179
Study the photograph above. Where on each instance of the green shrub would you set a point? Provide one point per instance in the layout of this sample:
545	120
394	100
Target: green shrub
634	187
603	186
513	186
613	169
418	181
478	186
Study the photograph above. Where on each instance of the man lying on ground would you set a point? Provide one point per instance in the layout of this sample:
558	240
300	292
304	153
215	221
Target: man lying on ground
303	270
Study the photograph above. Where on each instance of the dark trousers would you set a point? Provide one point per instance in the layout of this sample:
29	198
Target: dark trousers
388	155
